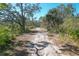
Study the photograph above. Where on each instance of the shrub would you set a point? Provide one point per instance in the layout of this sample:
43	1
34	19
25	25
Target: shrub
5	36
71	27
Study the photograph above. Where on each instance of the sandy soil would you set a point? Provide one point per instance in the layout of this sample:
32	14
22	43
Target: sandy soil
39	44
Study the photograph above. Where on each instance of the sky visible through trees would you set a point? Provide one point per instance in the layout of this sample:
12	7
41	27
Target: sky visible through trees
46	6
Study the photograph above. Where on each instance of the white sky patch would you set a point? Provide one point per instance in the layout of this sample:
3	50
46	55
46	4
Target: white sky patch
39	1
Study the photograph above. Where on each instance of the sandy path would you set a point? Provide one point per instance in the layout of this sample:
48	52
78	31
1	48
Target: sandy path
41	45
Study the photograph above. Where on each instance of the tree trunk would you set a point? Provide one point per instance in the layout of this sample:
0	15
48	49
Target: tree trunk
23	30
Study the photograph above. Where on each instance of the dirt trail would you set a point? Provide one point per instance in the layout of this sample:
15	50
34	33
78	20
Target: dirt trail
38	44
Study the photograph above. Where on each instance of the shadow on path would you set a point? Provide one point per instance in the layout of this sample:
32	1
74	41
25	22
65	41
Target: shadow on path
29	48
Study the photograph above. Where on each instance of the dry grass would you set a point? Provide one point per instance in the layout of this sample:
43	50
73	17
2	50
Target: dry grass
60	41
66	39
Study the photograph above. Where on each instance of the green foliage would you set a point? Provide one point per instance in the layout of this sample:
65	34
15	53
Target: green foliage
55	16
3	5
71	27
4	36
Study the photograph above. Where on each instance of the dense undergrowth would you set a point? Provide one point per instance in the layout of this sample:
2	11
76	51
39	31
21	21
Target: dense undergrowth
70	30
5	36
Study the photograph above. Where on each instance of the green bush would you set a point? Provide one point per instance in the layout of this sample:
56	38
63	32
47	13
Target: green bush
71	27
5	36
